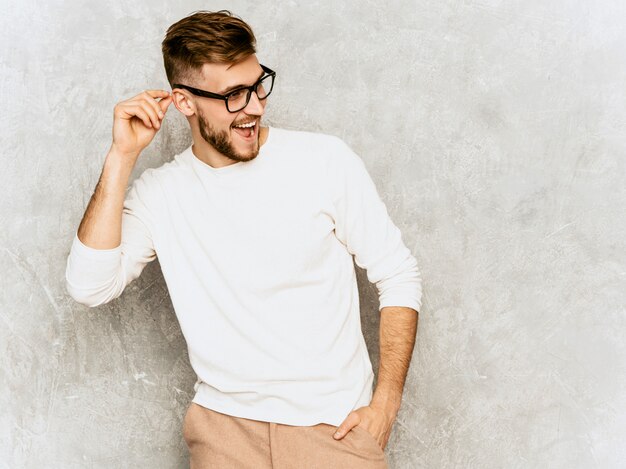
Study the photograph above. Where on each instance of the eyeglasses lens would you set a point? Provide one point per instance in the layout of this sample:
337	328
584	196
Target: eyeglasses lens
239	99
265	86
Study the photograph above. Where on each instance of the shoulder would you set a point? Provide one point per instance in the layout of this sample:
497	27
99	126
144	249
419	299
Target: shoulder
319	149
321	157
306	139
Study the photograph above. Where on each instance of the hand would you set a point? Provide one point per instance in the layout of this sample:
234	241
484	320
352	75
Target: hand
137	120
372	419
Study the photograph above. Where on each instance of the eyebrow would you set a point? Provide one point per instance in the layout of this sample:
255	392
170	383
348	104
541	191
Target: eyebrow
234	87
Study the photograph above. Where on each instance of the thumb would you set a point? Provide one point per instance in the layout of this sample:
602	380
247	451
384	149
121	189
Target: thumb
352	420
165	102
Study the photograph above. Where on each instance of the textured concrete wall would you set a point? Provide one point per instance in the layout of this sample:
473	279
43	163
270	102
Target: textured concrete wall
495	133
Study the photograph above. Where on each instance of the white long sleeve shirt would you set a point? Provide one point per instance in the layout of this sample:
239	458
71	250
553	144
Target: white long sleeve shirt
257	258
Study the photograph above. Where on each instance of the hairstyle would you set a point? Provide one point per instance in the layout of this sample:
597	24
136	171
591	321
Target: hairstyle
205	37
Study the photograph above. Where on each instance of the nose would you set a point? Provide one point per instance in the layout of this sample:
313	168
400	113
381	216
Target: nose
255	106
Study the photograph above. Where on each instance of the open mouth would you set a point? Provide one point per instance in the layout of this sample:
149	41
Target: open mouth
247	130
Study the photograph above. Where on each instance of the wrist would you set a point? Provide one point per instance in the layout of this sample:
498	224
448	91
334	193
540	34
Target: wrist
388	402
120	161
125	155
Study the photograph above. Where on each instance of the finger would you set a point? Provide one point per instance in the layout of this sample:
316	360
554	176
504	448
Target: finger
164	103
148	94
156	122
138	112
154	104
157	93
351	421
144	104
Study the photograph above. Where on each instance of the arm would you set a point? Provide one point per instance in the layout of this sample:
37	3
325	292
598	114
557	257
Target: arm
363	224
398	327
113	243
135	124
101	226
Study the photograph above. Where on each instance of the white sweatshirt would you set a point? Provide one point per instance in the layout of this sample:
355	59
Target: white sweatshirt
257	258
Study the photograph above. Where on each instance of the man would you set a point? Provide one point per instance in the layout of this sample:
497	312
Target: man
255	229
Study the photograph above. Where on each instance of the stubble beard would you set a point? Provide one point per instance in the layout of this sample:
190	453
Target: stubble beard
220	140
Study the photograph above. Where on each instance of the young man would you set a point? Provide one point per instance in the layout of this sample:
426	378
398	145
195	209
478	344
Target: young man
255	229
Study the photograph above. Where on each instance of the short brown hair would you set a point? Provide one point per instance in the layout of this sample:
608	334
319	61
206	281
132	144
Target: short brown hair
205	37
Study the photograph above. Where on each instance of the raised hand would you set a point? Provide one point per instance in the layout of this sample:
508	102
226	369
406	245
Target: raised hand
137	120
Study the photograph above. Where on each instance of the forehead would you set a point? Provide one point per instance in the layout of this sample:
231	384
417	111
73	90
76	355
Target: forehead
218	77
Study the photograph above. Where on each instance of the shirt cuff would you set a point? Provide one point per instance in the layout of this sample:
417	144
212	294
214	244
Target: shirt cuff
93	254
401	302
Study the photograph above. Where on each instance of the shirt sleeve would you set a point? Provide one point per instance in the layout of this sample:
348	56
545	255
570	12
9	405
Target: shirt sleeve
363	225
97	276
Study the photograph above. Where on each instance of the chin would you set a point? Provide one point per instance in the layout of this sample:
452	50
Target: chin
250	156
247	152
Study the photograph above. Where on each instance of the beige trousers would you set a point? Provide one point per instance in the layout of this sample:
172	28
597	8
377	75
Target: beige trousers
221	441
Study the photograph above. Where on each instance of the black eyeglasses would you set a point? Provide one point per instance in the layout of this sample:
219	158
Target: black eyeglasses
238	99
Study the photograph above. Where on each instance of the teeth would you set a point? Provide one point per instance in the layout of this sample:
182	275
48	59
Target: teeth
249	124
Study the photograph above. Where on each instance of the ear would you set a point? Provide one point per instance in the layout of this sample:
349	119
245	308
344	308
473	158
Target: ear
184	102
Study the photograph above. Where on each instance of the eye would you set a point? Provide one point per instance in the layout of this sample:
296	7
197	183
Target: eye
237	94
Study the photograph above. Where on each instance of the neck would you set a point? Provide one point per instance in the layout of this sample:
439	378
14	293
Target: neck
209	155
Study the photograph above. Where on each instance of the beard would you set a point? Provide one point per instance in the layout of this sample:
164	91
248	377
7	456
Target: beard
220	140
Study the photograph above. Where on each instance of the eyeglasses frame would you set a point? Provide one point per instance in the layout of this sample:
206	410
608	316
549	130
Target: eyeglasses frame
224	97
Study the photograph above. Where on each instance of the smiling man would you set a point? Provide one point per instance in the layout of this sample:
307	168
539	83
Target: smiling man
243	118
257	229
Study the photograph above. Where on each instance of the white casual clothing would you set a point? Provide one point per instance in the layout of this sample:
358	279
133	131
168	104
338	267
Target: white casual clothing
257	258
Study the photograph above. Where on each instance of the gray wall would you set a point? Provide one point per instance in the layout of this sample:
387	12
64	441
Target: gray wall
495	133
